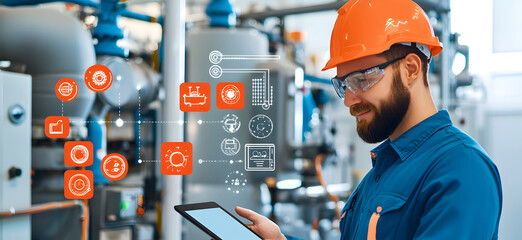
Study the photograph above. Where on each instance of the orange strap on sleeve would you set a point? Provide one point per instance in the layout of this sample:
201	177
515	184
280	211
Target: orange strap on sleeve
372	226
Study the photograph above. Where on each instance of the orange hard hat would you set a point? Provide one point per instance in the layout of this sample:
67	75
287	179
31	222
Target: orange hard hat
369	27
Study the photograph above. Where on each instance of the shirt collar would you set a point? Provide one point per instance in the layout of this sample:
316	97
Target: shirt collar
411	140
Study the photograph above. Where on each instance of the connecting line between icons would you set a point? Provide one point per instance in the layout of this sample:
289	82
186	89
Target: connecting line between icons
201	161
153	122
139	124
251	57
216	56
62	108
149	161
119	98
265	72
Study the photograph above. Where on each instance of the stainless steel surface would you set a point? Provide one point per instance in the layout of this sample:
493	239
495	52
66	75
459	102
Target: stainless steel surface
135	83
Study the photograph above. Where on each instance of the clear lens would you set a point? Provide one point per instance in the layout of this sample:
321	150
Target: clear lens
360	82
339	87
357	81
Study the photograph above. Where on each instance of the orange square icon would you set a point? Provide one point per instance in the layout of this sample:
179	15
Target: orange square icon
78	184
230	95
176	158
194	97
57	127
78	153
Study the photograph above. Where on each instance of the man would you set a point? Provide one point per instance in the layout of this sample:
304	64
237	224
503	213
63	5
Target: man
429	180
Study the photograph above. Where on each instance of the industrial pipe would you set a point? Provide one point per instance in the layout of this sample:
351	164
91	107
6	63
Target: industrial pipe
174	75
335	5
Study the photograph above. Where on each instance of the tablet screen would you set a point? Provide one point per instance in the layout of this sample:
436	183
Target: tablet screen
222	224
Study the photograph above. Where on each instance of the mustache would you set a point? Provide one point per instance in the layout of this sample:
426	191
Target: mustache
361	107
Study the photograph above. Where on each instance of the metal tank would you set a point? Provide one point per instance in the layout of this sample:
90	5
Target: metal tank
63	50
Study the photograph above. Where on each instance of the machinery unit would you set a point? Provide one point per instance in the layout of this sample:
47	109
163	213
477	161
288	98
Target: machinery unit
115	209
15	154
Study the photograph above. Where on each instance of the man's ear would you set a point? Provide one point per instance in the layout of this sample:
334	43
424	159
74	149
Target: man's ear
412	68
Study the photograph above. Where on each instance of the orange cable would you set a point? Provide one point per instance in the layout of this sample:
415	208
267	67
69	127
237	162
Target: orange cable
85	217
40	208
318	169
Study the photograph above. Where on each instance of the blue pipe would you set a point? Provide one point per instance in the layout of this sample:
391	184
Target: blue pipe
317	79
308	110
221	13
97	135
13	3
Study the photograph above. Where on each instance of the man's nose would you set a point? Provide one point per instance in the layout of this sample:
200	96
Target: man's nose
351	98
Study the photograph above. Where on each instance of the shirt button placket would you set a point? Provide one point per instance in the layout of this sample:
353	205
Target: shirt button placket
374	158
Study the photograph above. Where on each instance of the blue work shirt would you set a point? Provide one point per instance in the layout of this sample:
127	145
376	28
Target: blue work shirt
432	182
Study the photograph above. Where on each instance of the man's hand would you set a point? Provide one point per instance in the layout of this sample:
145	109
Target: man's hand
265	228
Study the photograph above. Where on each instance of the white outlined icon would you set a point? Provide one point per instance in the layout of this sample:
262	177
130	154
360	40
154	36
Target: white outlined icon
231	123
260	126
236	182
114	166
215	71
259	157
215	57
99	78
56	127
262	93
194	97
79	154
230	146
79	185
176	160
66	89
230	94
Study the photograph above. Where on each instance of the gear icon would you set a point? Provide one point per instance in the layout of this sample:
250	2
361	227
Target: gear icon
99	78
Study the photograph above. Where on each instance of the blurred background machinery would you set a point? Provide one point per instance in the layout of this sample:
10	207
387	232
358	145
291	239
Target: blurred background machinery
275	49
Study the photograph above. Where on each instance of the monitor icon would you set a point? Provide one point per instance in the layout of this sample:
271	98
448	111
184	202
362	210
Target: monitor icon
259	157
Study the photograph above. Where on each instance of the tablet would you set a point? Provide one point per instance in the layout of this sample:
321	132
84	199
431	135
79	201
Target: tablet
216	221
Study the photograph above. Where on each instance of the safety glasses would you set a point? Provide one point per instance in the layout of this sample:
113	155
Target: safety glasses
360	81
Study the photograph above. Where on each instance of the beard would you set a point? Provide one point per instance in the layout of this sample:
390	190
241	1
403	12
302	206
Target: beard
388	117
